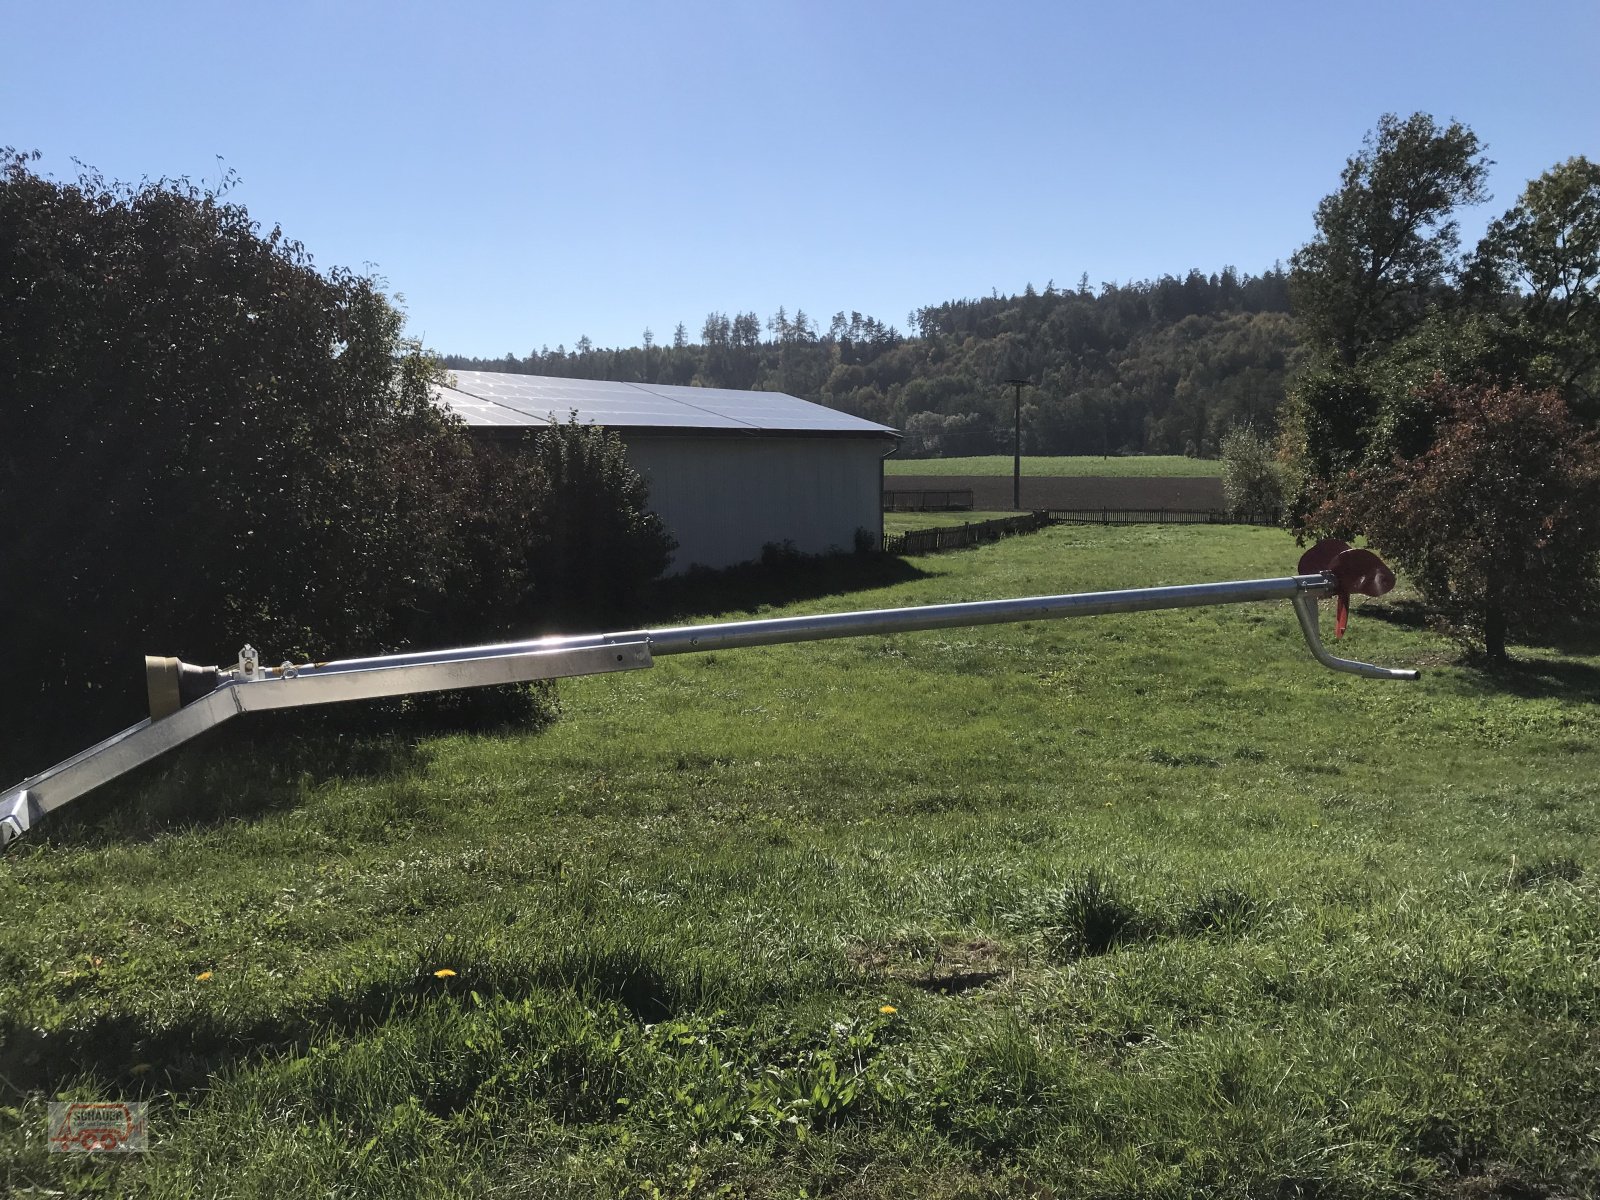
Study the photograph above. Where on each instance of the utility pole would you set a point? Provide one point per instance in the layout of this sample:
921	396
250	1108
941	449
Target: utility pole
1016	444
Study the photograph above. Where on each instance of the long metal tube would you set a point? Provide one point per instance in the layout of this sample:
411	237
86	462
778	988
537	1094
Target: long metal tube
728	635
688	638
295	685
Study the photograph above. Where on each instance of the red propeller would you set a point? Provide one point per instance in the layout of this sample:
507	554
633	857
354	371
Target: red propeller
1354	572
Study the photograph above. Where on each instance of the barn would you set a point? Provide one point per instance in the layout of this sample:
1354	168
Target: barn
730	472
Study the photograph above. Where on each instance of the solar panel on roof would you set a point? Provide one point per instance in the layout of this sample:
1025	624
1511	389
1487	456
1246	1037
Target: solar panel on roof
494	398
476	411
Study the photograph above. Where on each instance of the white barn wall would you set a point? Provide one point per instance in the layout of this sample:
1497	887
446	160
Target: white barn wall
729	471
723	498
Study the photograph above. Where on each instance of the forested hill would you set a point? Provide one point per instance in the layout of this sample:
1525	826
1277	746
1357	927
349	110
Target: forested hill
1158	367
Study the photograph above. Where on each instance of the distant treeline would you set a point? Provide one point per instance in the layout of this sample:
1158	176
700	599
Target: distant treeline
1162	366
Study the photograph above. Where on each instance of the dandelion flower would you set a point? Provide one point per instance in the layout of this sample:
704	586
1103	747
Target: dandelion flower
203	976
444	973
888	1010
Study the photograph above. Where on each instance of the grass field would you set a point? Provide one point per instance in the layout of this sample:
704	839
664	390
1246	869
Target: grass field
1167	465
1143	905
902	521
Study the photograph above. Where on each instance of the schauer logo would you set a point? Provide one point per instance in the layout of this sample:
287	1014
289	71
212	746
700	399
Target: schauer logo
83	1126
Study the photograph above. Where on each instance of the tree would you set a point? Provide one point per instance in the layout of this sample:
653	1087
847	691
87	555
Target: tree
1387	238
206	440
1158	379
1546	252
747	330
1252	478
1497	522
597	545
1385	249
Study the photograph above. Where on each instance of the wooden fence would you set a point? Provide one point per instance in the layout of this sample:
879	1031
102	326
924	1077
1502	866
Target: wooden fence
955	500
954	537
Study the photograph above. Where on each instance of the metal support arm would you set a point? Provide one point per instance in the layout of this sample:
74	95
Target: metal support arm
1305	608
252	688
293	687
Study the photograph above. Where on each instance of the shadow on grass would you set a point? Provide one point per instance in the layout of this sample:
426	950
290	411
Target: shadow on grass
1532	678
140	1057
1528	673
1403	614
955	982
236	773
264	763
782	576
365	740
1578	635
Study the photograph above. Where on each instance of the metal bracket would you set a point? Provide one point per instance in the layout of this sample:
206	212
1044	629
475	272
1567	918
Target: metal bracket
18	812
312	683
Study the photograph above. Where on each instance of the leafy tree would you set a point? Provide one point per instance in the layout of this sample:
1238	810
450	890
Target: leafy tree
1384	253
1546	253
1497	521
596	545
931	435
206	440
1252	477
1387	238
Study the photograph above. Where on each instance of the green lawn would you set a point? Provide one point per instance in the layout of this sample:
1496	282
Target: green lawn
1173	465
899	522
1141	905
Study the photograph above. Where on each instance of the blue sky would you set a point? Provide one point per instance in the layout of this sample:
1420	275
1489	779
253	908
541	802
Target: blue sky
525	174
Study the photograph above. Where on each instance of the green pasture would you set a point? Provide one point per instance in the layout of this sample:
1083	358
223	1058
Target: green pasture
1143	905
899	522
1111	467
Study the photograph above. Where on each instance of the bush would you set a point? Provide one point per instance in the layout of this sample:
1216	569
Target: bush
204	440
1252	478
596	547
954	435
1498	521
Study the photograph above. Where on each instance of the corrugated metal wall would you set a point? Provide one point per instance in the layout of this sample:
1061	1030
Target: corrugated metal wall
724	498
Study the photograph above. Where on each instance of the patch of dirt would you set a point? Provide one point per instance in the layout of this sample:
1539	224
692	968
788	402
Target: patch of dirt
1498	1182
950	966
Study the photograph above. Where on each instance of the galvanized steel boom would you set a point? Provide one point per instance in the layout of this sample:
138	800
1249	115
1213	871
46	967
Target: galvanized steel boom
187	700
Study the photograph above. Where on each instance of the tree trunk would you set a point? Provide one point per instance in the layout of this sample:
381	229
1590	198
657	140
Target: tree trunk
1494	633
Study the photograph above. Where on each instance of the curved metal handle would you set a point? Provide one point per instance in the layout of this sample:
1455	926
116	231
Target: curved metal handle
1305	607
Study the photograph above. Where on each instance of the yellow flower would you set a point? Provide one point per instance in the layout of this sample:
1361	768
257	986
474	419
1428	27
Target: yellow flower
203	976
888	1010
444	973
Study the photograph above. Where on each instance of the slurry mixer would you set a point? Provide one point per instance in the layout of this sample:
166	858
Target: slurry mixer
187	700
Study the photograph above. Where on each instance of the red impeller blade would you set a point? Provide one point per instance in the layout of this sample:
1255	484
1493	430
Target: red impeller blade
1354	572
1320	557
